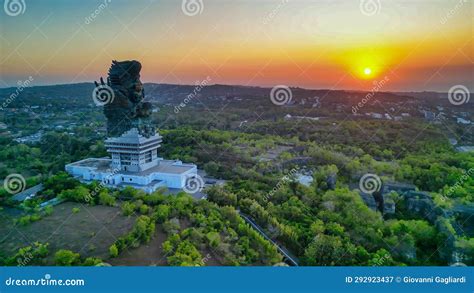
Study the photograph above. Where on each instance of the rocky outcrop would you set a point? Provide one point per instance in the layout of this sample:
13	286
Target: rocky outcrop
423	205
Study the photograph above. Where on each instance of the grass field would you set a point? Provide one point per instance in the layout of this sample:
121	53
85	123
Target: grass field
90	231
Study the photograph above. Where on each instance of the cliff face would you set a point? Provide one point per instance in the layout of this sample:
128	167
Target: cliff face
422	207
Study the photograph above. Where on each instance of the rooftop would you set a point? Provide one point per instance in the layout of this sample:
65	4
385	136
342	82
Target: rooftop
164	166
132	137
102	164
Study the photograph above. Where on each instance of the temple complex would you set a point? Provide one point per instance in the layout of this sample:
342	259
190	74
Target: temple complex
133	141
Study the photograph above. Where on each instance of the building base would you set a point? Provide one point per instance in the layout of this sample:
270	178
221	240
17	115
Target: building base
166	173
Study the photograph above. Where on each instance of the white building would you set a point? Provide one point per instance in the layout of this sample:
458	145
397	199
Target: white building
134	162
133	152
463	121
376	115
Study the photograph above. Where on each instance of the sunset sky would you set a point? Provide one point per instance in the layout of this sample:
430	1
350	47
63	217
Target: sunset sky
418	45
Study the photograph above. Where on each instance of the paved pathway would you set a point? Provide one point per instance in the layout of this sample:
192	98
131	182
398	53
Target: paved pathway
291	259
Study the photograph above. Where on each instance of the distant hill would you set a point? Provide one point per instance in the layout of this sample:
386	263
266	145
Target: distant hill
80	93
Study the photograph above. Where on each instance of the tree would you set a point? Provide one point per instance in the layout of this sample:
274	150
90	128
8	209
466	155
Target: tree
465	246
211	168
113	251
172	226
128	208
60	182
324	178
105	198
161	213
144	228
213	238
317	227
326	250
186	254
29	255
129	192
381	258
77	194
66	258
92	261
144	209
48	210
222	197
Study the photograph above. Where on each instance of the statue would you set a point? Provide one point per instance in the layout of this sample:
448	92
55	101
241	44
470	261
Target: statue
126	108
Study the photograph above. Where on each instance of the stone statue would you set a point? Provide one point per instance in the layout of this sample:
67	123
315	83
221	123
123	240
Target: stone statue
126	108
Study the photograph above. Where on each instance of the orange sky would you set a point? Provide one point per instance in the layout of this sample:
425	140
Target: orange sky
419	45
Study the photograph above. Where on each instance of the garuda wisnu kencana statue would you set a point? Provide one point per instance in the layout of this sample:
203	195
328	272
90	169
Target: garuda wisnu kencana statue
123	100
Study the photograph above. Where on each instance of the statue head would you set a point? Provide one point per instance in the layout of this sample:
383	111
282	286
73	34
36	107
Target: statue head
126	76
126	109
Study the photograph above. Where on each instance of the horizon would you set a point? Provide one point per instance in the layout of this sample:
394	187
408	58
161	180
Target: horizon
419	46
238	85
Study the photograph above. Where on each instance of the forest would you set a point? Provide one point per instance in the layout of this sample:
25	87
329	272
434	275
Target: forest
259	157
319	223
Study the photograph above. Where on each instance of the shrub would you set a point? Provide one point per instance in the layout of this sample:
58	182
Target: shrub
113	250
92	261
144	209
66	258
28	255
144	228
78	194
171	226
128	208
48	211
162	213
25	220
186	254
106	199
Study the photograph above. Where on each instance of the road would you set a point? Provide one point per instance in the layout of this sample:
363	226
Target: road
292	259
28	193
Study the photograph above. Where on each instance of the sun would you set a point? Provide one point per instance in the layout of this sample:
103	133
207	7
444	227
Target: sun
367	71
366	63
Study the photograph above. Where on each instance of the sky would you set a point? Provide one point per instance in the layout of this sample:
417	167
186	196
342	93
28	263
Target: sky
415	45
